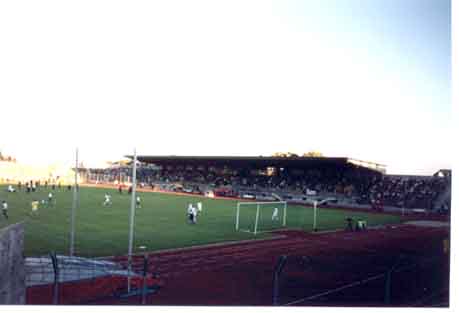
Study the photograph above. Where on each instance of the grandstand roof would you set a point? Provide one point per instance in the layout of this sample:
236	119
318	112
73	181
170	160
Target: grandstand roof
257	161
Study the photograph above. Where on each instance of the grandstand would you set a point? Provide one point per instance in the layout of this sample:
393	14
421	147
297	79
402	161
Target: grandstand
353	183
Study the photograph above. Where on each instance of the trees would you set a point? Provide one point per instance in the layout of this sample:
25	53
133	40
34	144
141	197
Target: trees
294	155
313	154
285	155
7	158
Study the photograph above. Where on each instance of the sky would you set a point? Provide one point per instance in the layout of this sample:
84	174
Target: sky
369	80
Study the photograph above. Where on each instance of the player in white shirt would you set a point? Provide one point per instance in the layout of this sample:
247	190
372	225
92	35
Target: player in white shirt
5	209
194	213
108	200
190	213
275	216
11	189
199	207
50	199
137	202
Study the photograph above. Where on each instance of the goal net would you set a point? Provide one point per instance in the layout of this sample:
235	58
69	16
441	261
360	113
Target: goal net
259	217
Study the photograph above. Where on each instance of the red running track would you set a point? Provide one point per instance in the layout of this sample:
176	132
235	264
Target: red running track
241	274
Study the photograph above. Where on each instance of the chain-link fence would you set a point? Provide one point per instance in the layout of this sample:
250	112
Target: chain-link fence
406	280
59	279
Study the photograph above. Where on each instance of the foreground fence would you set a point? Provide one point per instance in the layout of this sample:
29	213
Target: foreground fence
407	280
12	287
57	279
409	268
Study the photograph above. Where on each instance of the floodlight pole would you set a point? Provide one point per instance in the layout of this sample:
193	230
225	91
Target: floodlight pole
284	222
74	205
314	227
256	218
237	216
404	201
131	219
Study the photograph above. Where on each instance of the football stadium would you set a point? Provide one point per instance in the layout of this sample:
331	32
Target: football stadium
221	230
280	154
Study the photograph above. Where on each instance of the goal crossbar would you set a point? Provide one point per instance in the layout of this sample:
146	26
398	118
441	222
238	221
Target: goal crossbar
262	202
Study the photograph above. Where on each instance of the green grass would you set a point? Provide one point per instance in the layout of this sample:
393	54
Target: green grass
160	224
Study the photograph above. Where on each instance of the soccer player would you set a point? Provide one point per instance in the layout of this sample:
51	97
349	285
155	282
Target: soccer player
137	202
11	188
120	189
108	200
194	213
275	216
34	205
349	226
5	209
190	213
199	207
50	199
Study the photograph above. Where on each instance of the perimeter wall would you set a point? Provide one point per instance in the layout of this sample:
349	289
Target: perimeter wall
12	271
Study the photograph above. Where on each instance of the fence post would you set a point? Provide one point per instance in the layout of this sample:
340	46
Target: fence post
56	278
388	285
144	285
277	271
387	292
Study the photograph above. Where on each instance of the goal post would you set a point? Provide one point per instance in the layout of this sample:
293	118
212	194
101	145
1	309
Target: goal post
257	217
315	207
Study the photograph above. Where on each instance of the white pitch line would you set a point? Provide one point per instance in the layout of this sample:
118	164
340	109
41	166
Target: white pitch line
336	289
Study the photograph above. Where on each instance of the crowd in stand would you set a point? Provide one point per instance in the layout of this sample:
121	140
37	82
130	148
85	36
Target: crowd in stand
320	181
366	186
408	192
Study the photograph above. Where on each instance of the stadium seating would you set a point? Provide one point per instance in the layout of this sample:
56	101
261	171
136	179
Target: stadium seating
347	186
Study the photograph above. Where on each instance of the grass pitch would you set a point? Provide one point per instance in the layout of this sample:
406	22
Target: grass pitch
161	223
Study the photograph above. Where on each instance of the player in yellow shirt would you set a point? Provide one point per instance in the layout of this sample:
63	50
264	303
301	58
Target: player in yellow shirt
34	205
